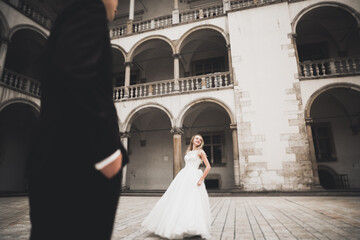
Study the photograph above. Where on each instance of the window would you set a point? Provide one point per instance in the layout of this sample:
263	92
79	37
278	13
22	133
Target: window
323	142
213	148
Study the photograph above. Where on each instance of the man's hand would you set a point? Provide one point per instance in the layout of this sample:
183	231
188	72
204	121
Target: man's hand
113	168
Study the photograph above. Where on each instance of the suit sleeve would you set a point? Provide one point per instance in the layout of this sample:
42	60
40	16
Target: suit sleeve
79	60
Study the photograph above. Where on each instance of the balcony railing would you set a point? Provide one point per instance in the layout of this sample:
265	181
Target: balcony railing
152	24
118	31
200	13
330	67
250	3
188	84
32	12
20	83
164	21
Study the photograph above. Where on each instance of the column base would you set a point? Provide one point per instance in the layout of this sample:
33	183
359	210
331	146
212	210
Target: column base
317	187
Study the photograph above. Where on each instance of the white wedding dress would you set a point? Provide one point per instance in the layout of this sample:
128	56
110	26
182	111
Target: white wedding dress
184	209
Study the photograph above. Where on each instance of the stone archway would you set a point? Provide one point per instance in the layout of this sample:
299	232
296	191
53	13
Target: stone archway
151	60
150	149
203	50
17	121
326	31
333	130
213	121
24	53
118	61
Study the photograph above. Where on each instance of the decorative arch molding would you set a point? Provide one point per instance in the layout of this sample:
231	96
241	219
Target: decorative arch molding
152	37
7	103
197	28
205	100
120	49
4	26
325	88
13	30
345	7
129	119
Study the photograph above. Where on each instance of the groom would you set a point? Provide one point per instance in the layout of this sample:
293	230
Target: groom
75	167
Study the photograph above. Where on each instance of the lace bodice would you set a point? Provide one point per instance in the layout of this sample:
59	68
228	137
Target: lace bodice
192	159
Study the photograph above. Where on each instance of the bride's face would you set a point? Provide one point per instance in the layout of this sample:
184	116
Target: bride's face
197	141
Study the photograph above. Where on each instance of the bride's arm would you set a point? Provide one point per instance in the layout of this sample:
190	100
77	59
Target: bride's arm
207	169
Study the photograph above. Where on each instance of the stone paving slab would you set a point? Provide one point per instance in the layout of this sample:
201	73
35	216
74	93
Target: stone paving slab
240	218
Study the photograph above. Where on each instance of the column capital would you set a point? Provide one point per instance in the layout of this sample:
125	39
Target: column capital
125	134
4	40
177	130
228	46
130	64
233	126
308	121
292	35
177	55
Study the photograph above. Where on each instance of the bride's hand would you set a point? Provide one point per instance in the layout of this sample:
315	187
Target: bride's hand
199	182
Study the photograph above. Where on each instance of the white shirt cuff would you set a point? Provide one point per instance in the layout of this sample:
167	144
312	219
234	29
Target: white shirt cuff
108	160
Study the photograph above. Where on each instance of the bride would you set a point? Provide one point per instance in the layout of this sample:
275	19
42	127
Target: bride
184	209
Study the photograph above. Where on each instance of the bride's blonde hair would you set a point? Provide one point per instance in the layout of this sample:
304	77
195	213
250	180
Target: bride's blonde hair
191	145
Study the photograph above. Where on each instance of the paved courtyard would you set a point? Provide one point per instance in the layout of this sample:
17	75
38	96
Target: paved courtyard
335	218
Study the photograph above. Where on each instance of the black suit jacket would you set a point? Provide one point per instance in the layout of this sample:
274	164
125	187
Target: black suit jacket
78	124
78	127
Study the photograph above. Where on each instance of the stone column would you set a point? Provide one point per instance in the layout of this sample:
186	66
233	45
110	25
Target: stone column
176	71
125	141
312	154
176	131
234	132
127	78
3	50
230	66
175	13
129	24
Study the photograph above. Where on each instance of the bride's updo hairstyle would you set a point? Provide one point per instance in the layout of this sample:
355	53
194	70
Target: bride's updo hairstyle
192	143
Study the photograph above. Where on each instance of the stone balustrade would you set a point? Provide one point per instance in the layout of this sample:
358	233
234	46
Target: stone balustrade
20	83
32	12
155	23
200	13
209	81
188	84
329	67
241	4
251	3
118	31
